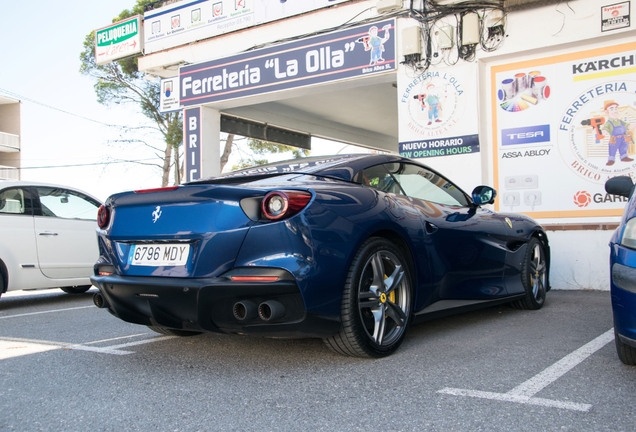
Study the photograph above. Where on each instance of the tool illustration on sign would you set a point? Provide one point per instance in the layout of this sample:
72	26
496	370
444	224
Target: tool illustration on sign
375	43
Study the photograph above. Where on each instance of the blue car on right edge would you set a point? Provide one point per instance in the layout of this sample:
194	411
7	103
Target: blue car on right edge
623	271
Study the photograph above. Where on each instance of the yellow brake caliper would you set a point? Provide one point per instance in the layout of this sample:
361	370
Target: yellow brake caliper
392	294
391	297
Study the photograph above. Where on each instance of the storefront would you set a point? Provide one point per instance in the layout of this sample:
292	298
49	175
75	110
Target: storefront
525	99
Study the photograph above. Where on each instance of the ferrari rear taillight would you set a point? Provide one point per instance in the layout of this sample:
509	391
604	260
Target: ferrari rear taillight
105	270
283	204
103	216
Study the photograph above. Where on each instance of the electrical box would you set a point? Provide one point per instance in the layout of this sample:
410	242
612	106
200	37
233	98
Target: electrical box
495	18
411	41
470	29
445	36
388	5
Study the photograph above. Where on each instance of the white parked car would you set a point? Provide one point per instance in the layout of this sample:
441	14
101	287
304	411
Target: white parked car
47	237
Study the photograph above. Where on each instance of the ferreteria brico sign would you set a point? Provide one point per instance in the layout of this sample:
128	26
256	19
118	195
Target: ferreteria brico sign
358	51
118	40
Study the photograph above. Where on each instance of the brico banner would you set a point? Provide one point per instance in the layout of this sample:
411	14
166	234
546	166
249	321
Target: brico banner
192	153
119	40
354	52
562	126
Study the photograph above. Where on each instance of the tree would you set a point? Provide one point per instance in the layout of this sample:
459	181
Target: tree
121	82
262	148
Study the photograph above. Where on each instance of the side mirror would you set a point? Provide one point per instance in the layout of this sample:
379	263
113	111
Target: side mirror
484	195
620	185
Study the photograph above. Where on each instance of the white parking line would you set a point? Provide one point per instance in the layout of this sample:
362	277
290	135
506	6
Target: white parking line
15	347
524	392
44	312
112	339
114	349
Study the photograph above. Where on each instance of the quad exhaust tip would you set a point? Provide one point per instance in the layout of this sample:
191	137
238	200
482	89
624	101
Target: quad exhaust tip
99	300
270	310
244	310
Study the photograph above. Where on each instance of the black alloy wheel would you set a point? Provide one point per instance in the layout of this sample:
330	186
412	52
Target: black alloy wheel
376	302
534	276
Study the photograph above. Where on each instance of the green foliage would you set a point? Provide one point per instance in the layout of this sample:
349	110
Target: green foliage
121	82
264	148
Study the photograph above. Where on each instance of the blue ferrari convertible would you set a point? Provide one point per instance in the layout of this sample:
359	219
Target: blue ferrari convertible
351	249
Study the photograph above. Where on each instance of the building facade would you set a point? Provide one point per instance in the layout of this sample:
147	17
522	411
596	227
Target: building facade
9	138
535	98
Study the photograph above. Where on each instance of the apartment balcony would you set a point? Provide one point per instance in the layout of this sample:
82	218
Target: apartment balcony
9	143
9	173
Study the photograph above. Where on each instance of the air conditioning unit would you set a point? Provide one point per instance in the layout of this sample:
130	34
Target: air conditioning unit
388	5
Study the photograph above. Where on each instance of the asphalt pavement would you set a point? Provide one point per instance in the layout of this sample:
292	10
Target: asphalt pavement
66	365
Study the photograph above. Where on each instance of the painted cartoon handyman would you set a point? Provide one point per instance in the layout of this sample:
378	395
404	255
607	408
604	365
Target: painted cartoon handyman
431	98
375	43
618	132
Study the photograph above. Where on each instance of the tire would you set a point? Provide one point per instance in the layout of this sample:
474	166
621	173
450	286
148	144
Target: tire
534	276
376	302
626	353
76	289
173	332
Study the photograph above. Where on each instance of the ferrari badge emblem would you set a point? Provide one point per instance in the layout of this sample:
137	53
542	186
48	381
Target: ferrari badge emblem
156	214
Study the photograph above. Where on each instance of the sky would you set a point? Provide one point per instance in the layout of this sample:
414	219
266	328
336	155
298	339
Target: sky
65	134
63	126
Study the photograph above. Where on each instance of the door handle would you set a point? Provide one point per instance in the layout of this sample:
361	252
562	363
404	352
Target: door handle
47	233
430	228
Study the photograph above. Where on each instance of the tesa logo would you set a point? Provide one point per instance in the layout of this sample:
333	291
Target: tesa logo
582	199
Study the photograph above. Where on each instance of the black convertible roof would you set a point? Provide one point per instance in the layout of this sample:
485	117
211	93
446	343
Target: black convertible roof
343	167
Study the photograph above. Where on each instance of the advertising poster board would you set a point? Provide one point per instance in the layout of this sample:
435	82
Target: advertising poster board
438	120
563	125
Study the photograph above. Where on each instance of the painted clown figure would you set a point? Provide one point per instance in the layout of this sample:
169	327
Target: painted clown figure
618	132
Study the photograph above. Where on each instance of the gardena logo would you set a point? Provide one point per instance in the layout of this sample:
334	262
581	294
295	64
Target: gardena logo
582	199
